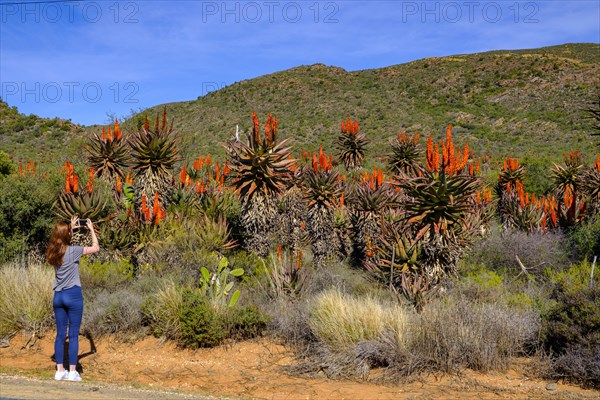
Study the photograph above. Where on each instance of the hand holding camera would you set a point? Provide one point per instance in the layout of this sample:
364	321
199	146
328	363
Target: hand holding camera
78	223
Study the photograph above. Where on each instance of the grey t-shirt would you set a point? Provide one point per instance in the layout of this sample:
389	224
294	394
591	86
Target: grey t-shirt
67	275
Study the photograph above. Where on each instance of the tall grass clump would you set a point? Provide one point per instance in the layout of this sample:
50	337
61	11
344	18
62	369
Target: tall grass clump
455	333
162	311
25	298
341	321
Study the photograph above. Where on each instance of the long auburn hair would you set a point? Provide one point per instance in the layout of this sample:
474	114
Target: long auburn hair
59	240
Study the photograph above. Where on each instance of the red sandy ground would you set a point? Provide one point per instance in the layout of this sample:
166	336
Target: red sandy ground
253	369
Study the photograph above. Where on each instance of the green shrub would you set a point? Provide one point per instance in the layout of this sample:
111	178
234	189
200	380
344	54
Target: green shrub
574	278
26	215
481	285
575	320
585	239
247	322
7	167
97	274
201	326
162	311
571	332
25	298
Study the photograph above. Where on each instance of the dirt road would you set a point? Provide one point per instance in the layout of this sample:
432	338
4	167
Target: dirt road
18	387
149	369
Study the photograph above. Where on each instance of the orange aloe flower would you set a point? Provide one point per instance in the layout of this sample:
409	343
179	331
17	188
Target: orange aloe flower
90	183
568	197
183	174
298	260
200	187
433	156
118	134
255	128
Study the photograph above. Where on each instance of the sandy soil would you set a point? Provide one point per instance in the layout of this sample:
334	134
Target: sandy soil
245	370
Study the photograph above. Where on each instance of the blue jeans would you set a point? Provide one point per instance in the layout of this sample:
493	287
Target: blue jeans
68	310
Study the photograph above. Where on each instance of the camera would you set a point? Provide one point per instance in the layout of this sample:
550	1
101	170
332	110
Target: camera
82	223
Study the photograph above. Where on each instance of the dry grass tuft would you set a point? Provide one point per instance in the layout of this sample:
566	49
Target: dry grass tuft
341	321
25	298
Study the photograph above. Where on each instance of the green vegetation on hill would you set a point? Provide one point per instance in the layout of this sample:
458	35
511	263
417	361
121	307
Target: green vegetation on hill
29	137
526	103
519	103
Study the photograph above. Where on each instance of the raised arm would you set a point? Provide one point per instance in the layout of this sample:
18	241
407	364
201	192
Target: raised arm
95	246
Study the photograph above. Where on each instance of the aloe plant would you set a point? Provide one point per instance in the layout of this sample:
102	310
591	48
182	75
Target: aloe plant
437	203
108	154
260	171
351	145
154	154
323	194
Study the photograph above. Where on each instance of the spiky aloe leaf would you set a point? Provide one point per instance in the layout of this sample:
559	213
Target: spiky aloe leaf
260	164
323	188
109	158
154	154
351	145
437	201
406	153
259	168
83	204
351	149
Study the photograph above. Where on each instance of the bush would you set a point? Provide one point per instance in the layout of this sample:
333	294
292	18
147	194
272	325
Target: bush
118	312
247	322
571	332
162	311
289	321
454	333
7	167
575	320
25	298
25	214
579	364
585	239
201	326
340	321
107	275
535	250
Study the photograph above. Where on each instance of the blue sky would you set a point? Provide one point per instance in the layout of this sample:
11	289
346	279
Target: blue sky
85	60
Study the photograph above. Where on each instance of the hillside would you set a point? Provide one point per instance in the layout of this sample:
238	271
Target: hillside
525	103
29	137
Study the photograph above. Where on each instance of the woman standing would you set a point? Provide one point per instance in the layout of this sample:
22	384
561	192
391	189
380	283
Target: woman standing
68	298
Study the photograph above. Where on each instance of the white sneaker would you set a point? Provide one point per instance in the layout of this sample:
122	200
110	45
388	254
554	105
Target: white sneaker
60	375
73	376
